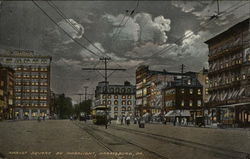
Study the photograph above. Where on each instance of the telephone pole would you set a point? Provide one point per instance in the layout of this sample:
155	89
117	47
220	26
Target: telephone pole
182	71
85	92
105	69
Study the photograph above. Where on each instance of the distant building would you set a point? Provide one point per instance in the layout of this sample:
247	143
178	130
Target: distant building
149	85
120	98
6	92
183	98
229	75
32	83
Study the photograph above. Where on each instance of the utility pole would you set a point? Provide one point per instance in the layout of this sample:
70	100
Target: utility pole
105	69
182	70
85	93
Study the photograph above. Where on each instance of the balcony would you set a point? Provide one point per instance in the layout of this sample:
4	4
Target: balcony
223	52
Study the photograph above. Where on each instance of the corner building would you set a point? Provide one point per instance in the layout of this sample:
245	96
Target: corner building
229	76
120	98
32	83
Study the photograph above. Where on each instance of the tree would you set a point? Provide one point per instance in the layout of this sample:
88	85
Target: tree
84	106
64	106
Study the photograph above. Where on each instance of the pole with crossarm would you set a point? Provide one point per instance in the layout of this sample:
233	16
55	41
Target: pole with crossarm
106	69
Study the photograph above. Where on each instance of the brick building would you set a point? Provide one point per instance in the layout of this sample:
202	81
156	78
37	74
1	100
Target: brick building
183	97
229	76
6	92
32	82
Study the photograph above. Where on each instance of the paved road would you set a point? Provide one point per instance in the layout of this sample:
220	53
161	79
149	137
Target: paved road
67	139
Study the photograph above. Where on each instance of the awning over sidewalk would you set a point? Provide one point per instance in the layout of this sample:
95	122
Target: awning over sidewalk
173	113
145	115
156	114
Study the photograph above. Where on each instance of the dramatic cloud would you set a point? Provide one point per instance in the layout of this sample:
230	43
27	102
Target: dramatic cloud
74	29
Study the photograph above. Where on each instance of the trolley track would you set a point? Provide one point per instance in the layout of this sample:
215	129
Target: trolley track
91	131
177	141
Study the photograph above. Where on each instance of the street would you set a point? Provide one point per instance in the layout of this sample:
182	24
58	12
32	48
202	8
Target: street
75	139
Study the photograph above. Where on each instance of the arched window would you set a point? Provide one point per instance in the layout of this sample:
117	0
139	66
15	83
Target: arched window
129	102
123	108
123	90
116	102
115	108
129	90
129	108
117	90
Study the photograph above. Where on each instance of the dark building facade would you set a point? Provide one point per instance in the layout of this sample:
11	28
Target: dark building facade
229	76
6	92
32	82
183	97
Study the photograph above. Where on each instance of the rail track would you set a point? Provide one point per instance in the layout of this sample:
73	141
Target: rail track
92	129
217	150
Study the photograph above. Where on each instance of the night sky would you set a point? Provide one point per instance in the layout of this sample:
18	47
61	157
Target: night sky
129	39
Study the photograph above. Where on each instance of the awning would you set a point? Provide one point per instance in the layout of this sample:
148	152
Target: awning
145	115
156	114
171	113
241	92
232	105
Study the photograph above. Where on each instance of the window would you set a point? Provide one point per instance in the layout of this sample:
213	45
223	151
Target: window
198	103
117	90
109	96
116	96
182	91
115	108
123	109
123	97
206	91
109	101
199	91
207	80
129	97
129	90
123	102
104	102
243	76
189	82
129	102
190	103
123	90
182	103
111	90
103	96
115	102
191	91
129	108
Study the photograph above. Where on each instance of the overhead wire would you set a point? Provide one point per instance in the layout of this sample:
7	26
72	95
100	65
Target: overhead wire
197	29
77	42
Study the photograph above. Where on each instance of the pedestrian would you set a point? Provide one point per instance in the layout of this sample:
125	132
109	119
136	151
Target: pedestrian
128	120
121	120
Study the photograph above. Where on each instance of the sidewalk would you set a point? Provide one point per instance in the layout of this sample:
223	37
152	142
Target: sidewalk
233	139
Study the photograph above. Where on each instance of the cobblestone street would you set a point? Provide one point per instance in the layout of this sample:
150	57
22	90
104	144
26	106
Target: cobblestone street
74	139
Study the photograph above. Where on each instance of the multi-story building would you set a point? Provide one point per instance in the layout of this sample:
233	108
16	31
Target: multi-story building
229	76
6	92
149	85
32	82
183	97
202	77
120	98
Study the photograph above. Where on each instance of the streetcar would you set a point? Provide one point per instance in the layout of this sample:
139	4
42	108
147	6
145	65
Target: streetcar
100	115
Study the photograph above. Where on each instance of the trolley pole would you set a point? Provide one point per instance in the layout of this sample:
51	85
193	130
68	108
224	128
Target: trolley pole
105	69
